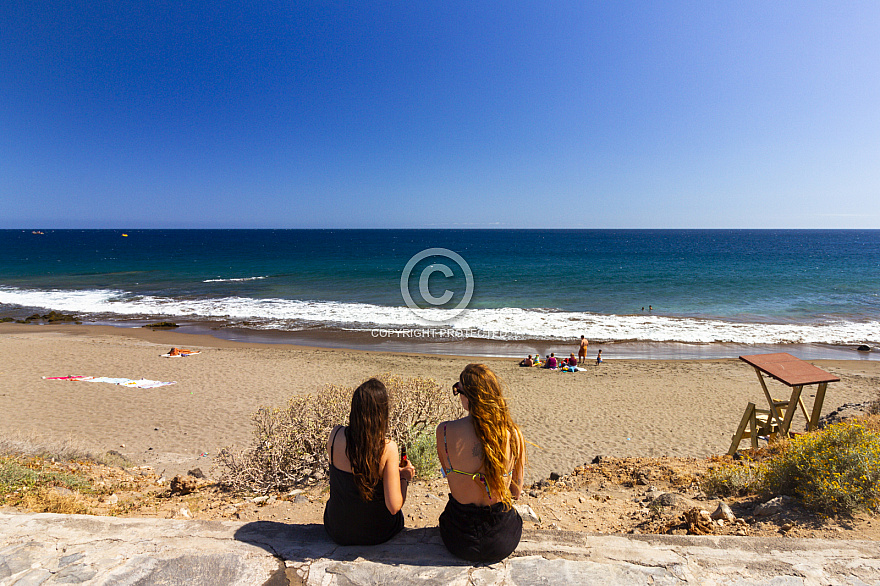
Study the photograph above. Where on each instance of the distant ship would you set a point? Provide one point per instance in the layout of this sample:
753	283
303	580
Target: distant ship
37	232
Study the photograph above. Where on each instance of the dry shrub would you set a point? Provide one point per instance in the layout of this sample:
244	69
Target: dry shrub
48	501
872	422
874	407
290	444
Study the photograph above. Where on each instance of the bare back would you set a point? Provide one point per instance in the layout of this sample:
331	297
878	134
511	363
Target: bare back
463	453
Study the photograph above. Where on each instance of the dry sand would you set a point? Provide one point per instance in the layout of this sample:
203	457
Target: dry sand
686	408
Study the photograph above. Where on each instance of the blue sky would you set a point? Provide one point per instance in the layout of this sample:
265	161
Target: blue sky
455	114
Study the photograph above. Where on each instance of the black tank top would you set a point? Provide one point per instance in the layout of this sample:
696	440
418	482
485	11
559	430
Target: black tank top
351	521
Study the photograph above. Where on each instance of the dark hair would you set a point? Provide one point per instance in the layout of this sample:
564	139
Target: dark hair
365	434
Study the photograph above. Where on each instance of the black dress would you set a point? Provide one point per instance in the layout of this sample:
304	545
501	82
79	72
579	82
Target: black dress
349	520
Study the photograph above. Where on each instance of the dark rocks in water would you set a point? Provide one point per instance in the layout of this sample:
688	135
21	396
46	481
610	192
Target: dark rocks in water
162	324
52	317
864	348
4	320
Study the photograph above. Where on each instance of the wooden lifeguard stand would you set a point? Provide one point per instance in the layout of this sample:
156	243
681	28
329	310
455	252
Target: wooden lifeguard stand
776	421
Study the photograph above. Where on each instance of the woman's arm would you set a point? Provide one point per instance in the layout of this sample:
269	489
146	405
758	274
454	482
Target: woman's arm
516	482
395	479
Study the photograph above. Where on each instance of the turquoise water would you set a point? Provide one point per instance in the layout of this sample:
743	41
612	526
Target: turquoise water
704	286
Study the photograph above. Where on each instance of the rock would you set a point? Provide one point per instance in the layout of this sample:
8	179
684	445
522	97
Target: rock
196	473
183	485
555	476
300	499
675	500
112	499
772	507
699	522
527	513
846	411
185	512
723	512
533	493
864	348
260	500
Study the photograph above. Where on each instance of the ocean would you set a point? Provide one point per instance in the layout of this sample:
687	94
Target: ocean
634	293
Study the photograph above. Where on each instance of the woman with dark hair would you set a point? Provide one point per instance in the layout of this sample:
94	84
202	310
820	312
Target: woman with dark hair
483	457
367	484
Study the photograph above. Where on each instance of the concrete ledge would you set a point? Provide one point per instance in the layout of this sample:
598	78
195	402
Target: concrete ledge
51	549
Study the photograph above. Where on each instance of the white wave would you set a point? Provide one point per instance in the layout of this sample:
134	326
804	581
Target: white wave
234	280
504	323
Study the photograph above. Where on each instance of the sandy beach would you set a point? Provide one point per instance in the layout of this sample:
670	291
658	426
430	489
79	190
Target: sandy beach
686	408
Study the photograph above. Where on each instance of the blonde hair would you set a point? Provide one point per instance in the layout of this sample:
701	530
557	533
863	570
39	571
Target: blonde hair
493	425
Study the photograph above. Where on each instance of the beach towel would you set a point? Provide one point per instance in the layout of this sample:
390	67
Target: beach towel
123	382
145	383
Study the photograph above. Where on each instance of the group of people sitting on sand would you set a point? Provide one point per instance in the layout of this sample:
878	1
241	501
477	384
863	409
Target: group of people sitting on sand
482	456
550	362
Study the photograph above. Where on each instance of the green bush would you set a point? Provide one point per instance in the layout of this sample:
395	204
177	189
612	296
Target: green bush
731	480
422	452
835	470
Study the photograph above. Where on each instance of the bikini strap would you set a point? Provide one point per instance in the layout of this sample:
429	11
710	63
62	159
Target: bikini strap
333	443
445	449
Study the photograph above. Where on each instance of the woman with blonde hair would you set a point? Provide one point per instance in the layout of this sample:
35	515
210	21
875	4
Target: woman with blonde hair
367	482
482	456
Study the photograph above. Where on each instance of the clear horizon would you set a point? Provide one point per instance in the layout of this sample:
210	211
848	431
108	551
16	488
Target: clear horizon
567	115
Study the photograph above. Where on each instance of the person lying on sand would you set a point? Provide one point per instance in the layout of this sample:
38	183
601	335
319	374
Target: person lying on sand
180	351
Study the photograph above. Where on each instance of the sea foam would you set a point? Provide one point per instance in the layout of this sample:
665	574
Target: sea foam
503	323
